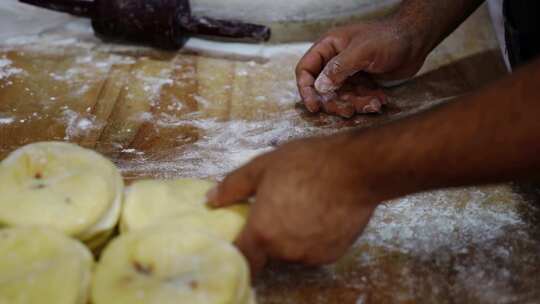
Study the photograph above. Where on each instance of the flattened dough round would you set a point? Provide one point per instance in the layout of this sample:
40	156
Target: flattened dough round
225	224
60	185
152	202
43	266
166	265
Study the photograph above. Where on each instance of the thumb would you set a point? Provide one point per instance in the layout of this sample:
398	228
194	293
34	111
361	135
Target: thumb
254	254
238	185
347	63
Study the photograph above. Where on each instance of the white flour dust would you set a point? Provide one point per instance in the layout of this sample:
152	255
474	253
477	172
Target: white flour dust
470	245
6	120
78	125
463	218
220	146
7	69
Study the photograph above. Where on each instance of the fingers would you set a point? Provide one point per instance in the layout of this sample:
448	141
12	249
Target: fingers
363	104
239	185
309	67
349	62
338	107
311	98
254	253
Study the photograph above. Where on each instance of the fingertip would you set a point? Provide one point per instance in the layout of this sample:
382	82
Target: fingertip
212	196
240	184
312	106
311	99
374	106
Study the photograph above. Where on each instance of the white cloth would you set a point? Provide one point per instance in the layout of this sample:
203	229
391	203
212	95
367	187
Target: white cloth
497	17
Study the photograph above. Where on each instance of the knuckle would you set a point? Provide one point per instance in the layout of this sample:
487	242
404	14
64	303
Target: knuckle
341	41
299	68
336	37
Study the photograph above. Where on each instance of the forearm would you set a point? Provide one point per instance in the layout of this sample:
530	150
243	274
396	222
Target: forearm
491	136
431	21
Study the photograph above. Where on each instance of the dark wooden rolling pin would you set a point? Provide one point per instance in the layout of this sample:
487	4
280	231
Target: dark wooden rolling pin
164	24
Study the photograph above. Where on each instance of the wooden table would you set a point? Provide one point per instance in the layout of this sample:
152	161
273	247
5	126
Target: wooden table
165	115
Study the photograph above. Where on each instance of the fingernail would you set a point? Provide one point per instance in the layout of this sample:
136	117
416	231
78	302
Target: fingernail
211	195
323	84
374	106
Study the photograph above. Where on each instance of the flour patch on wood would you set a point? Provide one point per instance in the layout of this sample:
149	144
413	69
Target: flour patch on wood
7	69
6	120
78	125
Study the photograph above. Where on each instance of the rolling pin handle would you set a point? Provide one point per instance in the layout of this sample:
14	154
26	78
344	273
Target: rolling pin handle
226	28
218	28
83	8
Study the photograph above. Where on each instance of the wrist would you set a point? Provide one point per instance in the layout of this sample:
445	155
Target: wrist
418	30
385	162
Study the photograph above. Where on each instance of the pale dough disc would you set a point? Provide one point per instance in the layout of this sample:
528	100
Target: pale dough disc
43	266
167	265
223	223
151	202
60	185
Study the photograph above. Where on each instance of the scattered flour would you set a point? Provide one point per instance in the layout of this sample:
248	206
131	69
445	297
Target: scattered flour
6	120
7	69
410	226
78	125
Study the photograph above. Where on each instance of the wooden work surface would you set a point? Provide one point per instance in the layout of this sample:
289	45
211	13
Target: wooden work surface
165	115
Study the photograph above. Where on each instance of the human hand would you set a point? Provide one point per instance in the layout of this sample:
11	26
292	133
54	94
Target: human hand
385	50
310	204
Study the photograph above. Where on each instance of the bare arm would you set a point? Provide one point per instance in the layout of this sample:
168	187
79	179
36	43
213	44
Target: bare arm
491	136
315	196
430	22
390	49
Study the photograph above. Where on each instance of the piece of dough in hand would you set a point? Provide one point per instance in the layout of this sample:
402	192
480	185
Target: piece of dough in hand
169	265
43	266
154	202
60	185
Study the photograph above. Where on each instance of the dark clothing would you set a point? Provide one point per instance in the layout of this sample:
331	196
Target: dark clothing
522	30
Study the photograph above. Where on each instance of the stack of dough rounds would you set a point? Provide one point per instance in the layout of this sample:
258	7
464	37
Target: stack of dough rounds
40	265
63	186
174	249
163	264
182	202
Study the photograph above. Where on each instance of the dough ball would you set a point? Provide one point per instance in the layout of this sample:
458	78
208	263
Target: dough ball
170	265
43	266
60	185
154	202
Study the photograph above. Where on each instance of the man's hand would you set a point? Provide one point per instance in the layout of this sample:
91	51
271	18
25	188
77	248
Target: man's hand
381	49
389	50
309	205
